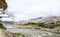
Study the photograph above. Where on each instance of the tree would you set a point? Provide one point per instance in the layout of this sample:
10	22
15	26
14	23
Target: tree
3	5
1	26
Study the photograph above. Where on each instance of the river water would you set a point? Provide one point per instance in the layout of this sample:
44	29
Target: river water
33	32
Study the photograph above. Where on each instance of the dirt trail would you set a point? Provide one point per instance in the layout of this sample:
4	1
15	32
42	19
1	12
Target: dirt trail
3	33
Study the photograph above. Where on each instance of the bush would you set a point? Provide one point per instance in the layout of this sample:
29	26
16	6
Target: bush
1	26
41	24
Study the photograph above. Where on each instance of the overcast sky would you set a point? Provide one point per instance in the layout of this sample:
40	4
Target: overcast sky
26	9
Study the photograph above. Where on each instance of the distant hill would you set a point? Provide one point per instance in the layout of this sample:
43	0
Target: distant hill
35	20
8	22
46	20
51	19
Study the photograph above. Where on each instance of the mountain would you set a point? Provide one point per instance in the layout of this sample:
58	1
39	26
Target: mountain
8	22
46	20
35	20
50	19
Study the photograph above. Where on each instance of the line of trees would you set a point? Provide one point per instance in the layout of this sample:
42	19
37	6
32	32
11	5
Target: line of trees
51	25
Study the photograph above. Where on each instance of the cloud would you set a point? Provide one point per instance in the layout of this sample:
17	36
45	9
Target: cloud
25	9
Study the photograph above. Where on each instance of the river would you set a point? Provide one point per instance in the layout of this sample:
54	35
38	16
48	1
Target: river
32	32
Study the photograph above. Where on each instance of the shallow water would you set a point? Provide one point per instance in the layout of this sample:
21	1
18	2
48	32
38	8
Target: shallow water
32	32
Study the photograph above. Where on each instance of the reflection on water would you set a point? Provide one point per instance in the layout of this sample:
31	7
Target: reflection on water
32	32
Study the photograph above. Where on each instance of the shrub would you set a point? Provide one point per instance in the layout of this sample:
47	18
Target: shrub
1	26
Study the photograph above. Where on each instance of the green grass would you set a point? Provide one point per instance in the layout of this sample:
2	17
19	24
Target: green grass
34	25
16	34
25	26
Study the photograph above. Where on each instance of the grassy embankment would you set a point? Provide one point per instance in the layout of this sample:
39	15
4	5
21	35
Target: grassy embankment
52	27
18	35
29	25
32	25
